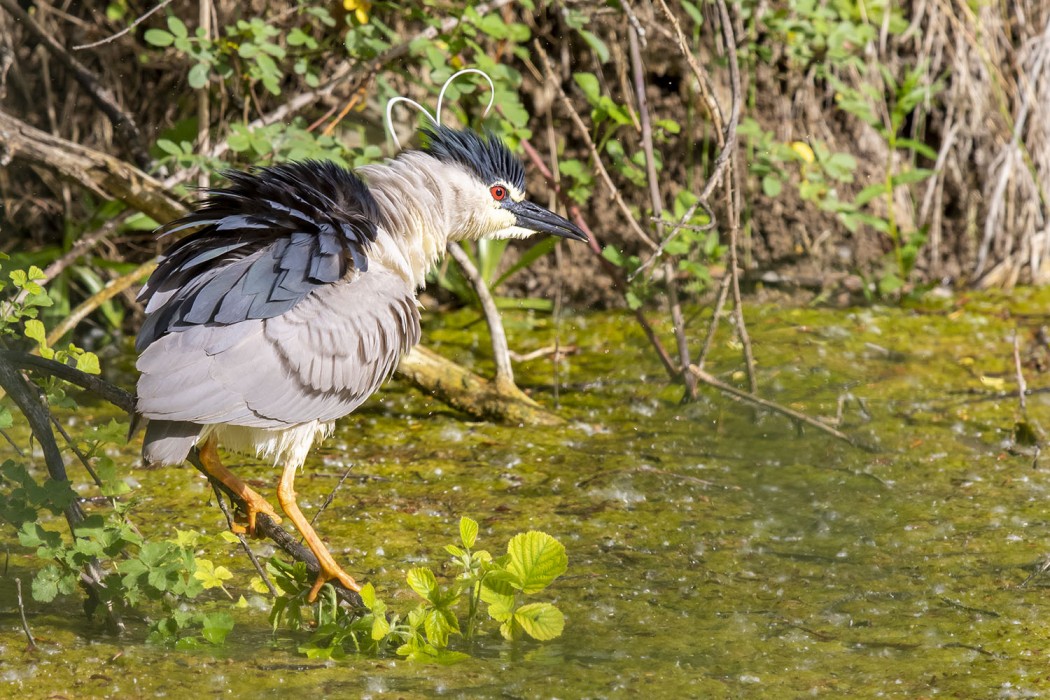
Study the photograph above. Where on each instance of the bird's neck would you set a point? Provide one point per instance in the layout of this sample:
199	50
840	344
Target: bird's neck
421	200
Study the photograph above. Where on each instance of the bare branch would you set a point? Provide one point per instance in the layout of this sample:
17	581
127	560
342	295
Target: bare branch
122	32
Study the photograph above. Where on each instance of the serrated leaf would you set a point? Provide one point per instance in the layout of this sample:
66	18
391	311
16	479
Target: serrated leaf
258	585
468	532
438	625
211	576
422	581
536	559
540	621
88	363
511	630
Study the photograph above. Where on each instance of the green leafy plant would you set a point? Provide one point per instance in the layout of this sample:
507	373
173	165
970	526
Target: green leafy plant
504	586
907	97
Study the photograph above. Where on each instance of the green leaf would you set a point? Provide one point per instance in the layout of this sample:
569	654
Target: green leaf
87	362
588	83
176	26
917	146
35	331
771	185
45	584
911	176
211	576
439	624
169	147
380	627
217	626
540	621
869	193
468	532
198	76
422	581
536	559
158	37
596	44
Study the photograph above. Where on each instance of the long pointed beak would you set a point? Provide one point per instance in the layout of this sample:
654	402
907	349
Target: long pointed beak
536	218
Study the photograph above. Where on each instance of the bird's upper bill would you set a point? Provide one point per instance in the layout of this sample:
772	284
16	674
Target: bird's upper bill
535	218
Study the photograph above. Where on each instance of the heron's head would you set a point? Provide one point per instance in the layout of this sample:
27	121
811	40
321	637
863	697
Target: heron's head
495	189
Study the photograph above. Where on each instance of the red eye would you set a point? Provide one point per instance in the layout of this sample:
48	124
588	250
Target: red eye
499	192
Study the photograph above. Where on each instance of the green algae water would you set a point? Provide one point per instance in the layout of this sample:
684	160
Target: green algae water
713	551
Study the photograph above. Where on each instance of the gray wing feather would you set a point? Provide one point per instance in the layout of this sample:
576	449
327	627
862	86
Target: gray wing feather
317	361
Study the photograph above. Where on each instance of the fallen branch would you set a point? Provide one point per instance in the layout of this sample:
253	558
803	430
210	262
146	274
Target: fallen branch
774	406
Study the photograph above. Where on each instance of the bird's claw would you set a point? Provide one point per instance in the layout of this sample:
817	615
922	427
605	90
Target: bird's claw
254	504
324	576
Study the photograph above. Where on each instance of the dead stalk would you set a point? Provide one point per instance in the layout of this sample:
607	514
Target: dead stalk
655	201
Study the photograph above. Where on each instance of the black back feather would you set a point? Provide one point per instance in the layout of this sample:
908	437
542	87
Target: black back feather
265	242
487	156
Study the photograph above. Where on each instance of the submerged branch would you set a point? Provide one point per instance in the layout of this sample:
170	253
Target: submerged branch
774	406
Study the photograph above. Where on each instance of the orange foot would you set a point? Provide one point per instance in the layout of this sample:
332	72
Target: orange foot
254	504
326	575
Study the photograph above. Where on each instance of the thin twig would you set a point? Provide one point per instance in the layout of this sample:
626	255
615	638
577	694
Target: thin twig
712	222
244	542
22	612
673	303
13	444
734	215
76	451
1022	386
723	294
122	32
331	496
615	273
581	128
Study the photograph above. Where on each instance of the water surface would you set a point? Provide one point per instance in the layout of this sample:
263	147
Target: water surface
714	552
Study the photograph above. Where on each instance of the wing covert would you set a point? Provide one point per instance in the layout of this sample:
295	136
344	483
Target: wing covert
265	242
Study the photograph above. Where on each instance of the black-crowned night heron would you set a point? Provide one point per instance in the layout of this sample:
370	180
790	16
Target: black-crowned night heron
296	297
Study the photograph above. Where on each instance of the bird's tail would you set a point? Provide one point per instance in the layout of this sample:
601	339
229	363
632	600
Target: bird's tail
169	442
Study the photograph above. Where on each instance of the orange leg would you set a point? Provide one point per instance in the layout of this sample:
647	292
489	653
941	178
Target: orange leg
254	502
329	569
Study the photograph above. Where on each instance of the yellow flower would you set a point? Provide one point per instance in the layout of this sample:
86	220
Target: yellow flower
803	150
360	8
